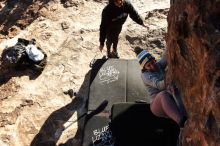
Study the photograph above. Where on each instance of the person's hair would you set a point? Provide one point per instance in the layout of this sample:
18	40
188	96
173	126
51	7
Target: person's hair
143	70
110	1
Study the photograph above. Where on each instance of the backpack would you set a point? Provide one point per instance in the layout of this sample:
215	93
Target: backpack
17	56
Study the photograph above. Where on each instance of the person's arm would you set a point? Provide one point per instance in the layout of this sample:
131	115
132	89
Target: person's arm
152	81
133	14
103	27
163	60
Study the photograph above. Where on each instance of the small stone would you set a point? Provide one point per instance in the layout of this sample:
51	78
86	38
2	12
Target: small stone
64	25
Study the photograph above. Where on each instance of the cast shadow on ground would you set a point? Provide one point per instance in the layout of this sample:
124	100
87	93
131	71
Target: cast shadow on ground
5	76
89	78
53	127
24	68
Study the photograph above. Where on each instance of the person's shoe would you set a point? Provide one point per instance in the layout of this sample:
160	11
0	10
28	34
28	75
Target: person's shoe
109	55
115	54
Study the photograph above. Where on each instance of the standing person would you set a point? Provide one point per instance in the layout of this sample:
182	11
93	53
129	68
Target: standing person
161	102
114	16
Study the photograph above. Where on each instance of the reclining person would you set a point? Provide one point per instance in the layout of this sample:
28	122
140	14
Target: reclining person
161	102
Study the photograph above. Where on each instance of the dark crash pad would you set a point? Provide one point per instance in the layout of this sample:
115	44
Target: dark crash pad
122	122
133	124
117	80
113	80
97	131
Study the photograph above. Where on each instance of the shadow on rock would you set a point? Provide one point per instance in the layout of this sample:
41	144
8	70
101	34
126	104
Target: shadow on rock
20	14
6	75
53	127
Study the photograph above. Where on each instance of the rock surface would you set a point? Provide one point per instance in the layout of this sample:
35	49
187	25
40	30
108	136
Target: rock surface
194	66
34	111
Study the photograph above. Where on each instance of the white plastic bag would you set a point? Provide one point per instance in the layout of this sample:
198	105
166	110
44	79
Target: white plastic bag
34	53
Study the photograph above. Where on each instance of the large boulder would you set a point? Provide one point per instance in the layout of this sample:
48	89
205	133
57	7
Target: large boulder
193	46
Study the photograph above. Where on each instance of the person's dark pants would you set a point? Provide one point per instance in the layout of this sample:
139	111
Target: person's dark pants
112	39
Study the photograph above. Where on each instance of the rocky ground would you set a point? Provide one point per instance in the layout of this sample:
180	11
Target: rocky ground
36	109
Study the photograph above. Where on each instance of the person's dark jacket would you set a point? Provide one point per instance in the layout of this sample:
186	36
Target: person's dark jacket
114	17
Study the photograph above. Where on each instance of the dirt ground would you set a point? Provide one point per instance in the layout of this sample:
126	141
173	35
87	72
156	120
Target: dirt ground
35	108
